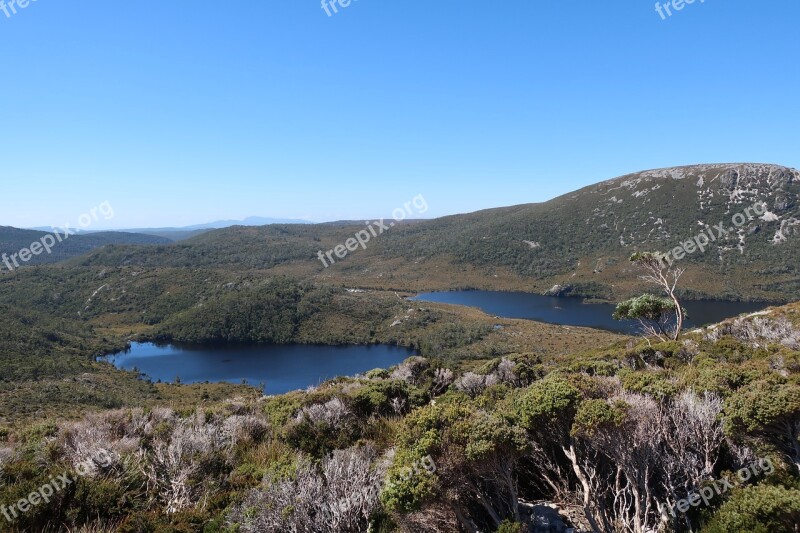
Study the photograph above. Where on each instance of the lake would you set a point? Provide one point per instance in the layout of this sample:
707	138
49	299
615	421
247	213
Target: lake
281	368
573	312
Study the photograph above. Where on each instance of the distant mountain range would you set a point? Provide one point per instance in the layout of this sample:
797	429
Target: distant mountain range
219	224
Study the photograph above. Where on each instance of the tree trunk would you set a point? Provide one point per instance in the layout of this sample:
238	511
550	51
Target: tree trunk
678	314
587	490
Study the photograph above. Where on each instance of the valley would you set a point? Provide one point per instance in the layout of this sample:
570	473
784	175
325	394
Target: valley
202	316
419	267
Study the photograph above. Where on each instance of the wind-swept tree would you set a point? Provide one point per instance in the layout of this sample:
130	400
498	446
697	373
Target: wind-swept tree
653	312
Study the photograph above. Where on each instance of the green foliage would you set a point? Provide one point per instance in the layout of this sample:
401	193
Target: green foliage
270	313
596	414
452	335
318	439
509	526
281	408
548	401
421	435
486	434
720	378
408	484
662	354
655	312
764	405
375	398
656	384
595	367
377	373
110	498
645	307
731	350
758	509
644	258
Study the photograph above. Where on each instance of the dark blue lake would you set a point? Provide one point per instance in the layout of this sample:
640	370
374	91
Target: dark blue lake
281	368
573	312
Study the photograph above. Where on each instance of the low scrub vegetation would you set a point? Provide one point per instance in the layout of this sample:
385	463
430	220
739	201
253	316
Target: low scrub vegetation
429	446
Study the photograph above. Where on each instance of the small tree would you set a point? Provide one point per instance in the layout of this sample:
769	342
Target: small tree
658	272
654	314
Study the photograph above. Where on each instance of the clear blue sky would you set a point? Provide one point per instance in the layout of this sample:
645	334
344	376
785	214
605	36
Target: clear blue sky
185	112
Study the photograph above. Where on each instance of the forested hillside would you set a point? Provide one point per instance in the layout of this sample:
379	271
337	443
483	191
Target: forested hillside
580	240
62	247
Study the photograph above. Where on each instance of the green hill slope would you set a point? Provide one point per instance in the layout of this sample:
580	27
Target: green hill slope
580	240
13	240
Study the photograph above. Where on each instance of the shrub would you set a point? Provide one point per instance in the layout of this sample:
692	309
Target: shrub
341	495
378	373
595	414
767	411
473	384
412	370
655	384
759	509
732	350
548	401
383	398
511	527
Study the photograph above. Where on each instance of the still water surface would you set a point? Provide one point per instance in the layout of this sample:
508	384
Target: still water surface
281	368
573	312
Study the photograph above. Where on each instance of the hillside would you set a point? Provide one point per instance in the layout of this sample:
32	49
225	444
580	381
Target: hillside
584	238
580	240
12	240
54	322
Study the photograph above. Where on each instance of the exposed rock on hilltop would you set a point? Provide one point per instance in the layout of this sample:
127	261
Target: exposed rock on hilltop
718	190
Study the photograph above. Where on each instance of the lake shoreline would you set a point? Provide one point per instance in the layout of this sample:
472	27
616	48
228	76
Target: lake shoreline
577	312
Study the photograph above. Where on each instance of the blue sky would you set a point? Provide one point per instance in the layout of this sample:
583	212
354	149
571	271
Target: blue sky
178	115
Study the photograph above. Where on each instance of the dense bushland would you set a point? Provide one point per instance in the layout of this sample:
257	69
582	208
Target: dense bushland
612	439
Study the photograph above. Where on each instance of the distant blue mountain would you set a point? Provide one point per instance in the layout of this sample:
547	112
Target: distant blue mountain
249	221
